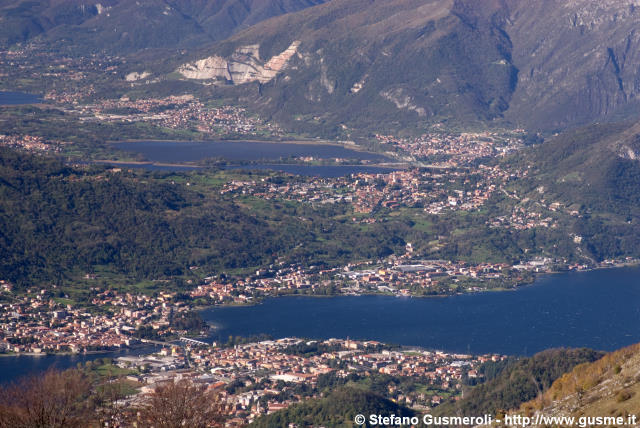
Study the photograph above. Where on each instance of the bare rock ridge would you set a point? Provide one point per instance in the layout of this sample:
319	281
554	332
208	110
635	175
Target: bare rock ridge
243	66
361	62
578	60
133	76
402	101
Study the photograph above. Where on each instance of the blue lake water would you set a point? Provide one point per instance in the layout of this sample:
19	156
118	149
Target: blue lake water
598	309
177	152
16	98
13	367
174	152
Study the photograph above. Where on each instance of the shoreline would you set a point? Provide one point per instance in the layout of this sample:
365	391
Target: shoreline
537	276
216	315
388	165
300	142
244	140
213	326
71	354
142	163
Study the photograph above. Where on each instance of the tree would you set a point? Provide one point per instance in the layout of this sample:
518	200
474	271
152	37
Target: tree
181	403
109	402
53	400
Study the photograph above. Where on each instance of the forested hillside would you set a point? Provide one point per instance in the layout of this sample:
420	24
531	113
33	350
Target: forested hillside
338	409
609	387
592	172
517	381
57	222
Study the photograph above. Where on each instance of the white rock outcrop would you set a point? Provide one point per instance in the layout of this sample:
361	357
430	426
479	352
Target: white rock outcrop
402	100
243	66
132	77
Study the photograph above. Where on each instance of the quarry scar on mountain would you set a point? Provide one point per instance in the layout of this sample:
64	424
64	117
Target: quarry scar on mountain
243	66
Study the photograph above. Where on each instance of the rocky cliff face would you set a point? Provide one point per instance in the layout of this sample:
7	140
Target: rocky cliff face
547	64
243	66
362	62
630	150
577	60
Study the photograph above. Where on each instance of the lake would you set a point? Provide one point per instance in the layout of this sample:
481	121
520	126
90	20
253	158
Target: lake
598	309
16	98
178	152
13	367
173	152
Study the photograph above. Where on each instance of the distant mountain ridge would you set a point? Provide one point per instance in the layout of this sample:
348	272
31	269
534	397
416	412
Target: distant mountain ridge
389	63
121	26
578	60
365	65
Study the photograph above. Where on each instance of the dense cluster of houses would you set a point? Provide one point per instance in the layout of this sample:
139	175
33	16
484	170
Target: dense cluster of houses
262	377
456	150
177	112
434	190
402	276
39	322
30	143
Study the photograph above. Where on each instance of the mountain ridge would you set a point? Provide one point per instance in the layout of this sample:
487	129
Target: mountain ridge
364	66
360	62
488	61
120	26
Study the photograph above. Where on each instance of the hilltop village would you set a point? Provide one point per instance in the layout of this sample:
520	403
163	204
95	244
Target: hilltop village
368	193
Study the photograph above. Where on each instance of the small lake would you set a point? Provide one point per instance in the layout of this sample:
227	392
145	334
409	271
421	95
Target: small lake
265	155
13	367
598	309
178	152
165	155
17	98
